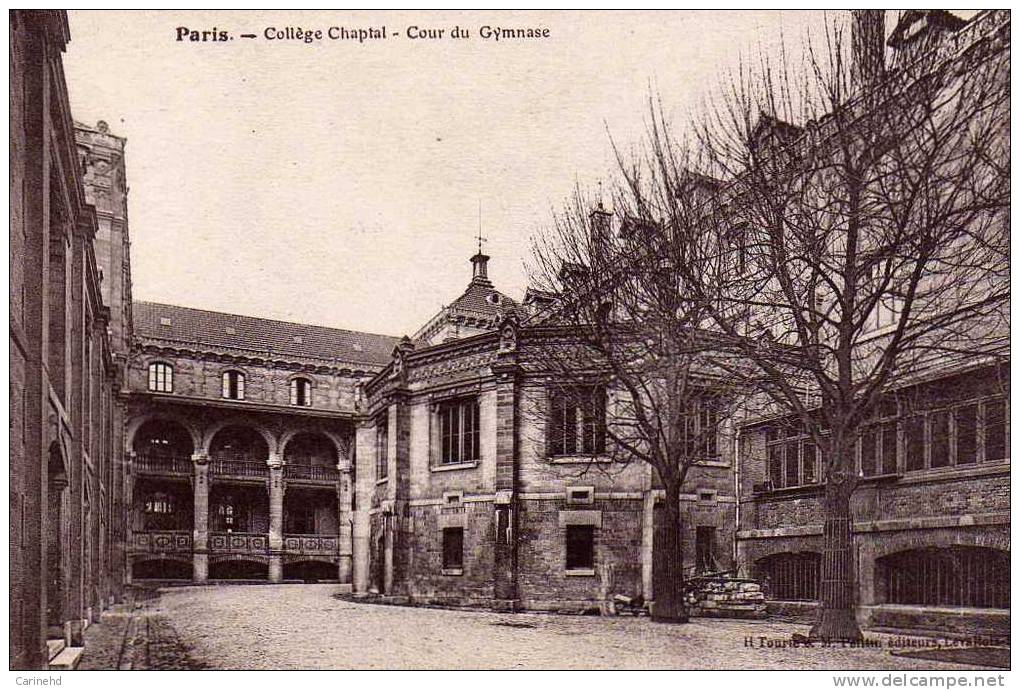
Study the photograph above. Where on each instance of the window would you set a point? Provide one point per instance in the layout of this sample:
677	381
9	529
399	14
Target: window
382	442
301	392
701	427
453	548
459	431
233	385
161	377
230	516
879	454
792	457
791	576
955	576
704	545
577	421
580	547
956	435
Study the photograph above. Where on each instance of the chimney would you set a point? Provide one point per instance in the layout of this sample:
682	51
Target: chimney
918	32
480	272
867	50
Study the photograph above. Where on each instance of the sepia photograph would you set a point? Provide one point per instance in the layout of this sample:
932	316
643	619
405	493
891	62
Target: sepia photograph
503	340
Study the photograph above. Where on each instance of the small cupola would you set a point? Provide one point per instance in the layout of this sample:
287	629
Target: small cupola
480	271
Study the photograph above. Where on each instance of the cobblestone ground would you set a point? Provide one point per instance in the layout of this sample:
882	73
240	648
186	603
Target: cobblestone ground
308	627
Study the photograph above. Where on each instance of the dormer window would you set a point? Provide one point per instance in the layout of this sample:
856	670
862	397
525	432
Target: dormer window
301	392
233	385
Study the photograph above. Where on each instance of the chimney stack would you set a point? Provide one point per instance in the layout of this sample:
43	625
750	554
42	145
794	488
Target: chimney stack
867	49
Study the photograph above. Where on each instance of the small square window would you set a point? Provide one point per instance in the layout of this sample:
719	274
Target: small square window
580	547
582	495
453	548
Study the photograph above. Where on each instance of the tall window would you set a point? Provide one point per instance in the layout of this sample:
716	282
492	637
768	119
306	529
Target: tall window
233	385
301	392
382	444
793	458
704	546
453	548
577	421
957	435
701	428
161	377
580	547
459	431
879	448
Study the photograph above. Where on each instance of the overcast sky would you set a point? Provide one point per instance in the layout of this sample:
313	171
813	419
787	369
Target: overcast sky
338	183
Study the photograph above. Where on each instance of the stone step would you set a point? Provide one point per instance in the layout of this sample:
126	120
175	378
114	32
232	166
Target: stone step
67	660
55	647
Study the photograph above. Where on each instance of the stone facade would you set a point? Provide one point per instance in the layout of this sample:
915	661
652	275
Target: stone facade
511	503
66	474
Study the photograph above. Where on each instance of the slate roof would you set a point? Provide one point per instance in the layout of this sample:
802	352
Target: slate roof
199	326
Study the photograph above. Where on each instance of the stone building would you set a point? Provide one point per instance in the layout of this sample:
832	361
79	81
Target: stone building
931	515
65	470
239	435
478	486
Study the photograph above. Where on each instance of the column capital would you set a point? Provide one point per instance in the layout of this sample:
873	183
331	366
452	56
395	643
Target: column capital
275	460
200	458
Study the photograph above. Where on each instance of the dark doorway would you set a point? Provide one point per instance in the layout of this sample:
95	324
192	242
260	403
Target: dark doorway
310	571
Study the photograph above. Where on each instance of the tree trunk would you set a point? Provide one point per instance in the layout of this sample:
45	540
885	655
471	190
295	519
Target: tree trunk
837	619
668	564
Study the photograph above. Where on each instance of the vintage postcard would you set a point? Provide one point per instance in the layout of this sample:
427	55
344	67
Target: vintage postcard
511	340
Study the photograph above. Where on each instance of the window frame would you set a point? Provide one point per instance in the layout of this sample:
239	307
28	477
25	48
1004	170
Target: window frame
161	377
301	387
382	447
458	431
587	431
233	381
787	435
952	410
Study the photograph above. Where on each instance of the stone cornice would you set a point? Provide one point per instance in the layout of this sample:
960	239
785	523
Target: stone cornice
242	357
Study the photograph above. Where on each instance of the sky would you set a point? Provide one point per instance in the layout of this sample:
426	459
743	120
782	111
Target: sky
339	183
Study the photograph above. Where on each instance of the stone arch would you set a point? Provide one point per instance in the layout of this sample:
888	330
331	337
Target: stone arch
310	569
210	433
239	567
340	453
135	423
178	436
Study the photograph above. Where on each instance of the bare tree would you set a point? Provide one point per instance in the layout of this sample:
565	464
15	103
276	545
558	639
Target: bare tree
861	234
622	341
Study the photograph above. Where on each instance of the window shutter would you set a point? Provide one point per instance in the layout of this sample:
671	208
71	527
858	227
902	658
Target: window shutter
240	386
226	384
293	391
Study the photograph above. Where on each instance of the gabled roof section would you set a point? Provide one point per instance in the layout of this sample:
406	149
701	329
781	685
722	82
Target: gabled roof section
168	322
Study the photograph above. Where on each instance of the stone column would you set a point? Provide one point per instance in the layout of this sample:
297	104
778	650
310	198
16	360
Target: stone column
200	535
364	456
345	540
276	491
129	517
505	548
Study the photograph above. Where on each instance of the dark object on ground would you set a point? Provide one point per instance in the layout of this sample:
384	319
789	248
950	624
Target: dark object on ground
514	624
635	606
996	657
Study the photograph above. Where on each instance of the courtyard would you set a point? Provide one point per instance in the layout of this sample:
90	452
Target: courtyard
311	627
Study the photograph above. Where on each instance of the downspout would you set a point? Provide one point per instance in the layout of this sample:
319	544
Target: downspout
736	494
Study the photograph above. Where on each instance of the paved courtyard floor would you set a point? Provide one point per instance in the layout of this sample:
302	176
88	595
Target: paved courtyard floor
308	627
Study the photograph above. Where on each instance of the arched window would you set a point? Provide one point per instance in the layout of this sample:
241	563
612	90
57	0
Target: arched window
161	377
233	385
301	392
955	576
791	576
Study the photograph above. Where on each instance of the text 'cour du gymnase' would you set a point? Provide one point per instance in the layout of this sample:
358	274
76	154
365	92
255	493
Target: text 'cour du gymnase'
296	34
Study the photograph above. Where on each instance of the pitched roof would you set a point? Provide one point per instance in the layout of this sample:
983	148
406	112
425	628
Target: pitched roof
186	325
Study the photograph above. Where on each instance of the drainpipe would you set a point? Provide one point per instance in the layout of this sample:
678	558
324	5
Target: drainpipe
736	495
